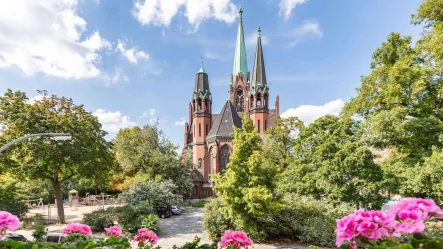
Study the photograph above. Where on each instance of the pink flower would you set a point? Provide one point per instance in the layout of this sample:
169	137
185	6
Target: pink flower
353	245
235	238
113	231
371	230
411	222
78	228
8	221
146	236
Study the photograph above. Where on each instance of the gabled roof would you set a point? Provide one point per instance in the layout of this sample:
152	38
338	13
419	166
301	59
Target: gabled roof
259	74
227	118
240	63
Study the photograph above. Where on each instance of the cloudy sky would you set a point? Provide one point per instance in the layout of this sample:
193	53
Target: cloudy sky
134	62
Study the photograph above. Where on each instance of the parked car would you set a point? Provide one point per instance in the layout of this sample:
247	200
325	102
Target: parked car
175	209
54	237
163	211
14	236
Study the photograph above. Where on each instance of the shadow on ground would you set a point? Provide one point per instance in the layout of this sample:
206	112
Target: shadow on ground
189	222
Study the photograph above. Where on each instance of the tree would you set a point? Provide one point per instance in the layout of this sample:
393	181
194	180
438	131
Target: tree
332	164
88	153
247	187
152	193
145	154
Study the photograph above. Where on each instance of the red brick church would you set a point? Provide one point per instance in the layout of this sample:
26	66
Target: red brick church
209	135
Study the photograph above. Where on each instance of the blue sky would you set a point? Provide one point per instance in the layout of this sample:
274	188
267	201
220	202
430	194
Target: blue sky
132	62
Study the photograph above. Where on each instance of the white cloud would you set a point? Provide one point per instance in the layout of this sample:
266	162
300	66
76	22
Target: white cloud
132	54
180	122
45	37
309	113
113	121
309	30
251	39
35	99
117	77
161	12
150	115
286	7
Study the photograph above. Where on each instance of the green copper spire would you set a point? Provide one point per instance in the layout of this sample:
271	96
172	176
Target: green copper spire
240	64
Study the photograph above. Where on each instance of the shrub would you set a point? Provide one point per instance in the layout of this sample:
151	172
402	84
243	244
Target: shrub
39	233
214	221
150	222
129	218
38	219
199	203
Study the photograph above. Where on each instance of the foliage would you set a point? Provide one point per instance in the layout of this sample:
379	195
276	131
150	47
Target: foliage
37	219
331	163
193	245
214	221
145	154
199	203
150	222
152	193
39	233
8	198
87	154
129	218
247	187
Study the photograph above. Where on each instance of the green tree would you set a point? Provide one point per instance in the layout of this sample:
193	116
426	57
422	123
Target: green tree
145	154
332	164
247	187
87	155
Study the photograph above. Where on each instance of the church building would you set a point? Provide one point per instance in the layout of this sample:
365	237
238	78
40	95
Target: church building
209	135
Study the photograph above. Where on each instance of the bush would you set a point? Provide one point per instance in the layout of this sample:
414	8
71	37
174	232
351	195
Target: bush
150	222
199	203
39	233
214	221
129	218
38	219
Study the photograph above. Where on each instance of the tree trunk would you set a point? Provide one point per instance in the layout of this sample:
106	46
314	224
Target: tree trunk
58	197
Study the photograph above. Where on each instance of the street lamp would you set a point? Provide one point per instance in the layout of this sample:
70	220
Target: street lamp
53	136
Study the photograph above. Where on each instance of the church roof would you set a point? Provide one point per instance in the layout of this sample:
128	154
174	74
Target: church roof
227	118
201	87
259	73
240	63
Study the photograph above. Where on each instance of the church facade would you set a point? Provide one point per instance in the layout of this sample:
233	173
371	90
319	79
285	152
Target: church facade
209	135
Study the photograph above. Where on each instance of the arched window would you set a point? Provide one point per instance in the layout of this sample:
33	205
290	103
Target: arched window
199	105
258	100
206	105
224	158
239	99
200	163
195	190
252	101
193	105
265	103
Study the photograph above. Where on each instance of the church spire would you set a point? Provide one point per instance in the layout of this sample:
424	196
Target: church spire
240	64
258	73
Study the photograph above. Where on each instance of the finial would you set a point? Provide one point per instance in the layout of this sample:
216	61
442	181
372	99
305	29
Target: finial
202	70
240	12
259	31
227	99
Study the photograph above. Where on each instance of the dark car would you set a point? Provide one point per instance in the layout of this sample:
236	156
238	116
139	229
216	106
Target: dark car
163	211
14	236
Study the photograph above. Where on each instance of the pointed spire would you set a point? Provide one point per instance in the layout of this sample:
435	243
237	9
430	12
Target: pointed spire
240	64
202	70
201	87
258	73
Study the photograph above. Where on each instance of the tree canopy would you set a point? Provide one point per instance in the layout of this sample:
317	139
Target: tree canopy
87	154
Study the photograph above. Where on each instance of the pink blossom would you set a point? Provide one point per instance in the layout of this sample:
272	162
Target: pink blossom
113	231
371	230
8	221
353	245
78	228
146	236
235	238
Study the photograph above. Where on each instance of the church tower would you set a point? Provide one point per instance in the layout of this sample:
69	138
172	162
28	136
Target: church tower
239	82
259	92
201	118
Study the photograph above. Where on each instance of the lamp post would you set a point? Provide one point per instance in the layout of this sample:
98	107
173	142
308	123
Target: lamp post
54	136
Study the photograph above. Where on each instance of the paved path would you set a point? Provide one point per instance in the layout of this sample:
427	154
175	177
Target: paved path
175	230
